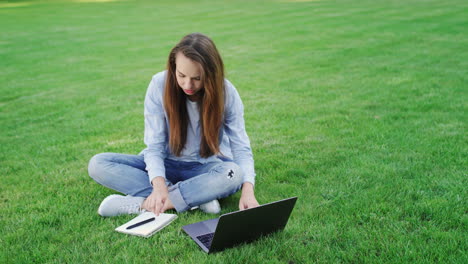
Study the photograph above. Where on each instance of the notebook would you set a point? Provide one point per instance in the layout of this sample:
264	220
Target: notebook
240	227
147	229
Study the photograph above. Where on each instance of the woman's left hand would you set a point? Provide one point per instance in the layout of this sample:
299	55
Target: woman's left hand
247	199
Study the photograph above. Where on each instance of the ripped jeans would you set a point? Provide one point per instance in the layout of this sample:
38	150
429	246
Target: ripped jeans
189	183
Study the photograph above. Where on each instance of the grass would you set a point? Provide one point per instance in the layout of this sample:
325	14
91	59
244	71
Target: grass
357	107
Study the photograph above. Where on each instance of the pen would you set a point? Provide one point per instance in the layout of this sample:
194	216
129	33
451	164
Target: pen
141	223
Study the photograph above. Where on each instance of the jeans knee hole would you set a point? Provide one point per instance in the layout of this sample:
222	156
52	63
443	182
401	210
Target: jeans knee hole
230	174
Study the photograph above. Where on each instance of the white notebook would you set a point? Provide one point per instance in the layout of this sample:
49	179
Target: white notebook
148	229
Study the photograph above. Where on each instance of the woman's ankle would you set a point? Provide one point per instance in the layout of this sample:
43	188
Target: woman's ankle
168	205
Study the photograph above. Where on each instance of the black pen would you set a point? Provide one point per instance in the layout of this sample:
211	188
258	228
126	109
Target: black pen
141	223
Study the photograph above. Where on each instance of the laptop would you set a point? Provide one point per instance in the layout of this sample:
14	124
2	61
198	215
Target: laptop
241	226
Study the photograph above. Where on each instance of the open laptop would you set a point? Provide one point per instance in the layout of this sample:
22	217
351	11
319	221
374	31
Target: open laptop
241	226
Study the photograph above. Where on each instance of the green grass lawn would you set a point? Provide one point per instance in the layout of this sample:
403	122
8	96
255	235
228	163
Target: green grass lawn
359	108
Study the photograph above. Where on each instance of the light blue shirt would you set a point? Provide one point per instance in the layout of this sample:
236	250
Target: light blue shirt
235	143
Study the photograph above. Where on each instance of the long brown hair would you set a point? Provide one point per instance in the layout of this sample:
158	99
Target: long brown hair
201	49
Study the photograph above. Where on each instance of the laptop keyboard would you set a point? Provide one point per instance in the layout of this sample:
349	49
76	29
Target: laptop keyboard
206	239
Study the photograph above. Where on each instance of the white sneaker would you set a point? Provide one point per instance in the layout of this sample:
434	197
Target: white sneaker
115	204
212	207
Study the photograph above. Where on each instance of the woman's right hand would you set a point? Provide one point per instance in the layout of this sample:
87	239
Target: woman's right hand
158	201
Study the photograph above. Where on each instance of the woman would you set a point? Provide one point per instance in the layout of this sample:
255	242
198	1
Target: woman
197	148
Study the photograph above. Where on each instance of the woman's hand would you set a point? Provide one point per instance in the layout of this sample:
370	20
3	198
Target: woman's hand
247	199
158	201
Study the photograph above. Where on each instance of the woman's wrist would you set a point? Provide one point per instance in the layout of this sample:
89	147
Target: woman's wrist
247	188
158	181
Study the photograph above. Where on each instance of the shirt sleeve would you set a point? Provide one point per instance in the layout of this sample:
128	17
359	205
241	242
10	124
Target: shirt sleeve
155	129
234	126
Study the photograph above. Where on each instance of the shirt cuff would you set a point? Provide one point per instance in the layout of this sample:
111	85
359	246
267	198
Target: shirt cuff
249	178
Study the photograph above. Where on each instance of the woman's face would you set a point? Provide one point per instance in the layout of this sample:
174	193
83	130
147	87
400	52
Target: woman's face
188	74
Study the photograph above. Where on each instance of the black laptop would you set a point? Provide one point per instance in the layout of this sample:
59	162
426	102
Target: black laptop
241	226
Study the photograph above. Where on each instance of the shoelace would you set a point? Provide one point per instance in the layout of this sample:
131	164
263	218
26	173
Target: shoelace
130	208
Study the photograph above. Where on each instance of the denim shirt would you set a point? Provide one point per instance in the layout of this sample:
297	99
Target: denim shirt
234	144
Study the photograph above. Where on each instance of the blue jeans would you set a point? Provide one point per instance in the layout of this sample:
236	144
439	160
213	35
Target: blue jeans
189	183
